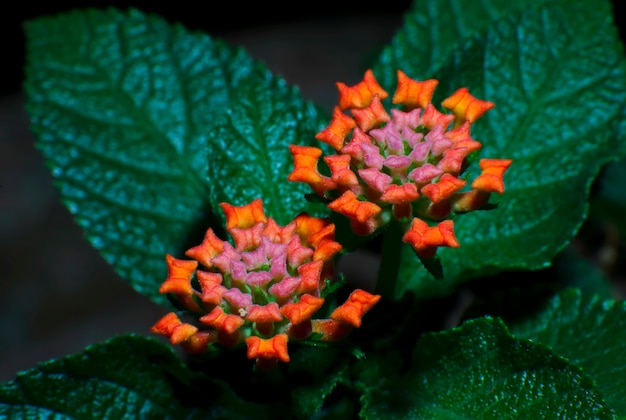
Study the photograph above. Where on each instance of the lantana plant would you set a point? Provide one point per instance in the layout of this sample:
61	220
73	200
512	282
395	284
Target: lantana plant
471	160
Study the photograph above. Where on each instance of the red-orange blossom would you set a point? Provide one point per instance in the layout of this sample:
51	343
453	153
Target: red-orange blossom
408	165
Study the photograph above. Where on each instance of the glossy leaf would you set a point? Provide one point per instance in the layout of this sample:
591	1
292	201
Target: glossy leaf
434	29
126	377
250	155
588	331
480	371
557	75
128	111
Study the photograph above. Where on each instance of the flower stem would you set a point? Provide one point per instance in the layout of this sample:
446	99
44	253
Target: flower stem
391	255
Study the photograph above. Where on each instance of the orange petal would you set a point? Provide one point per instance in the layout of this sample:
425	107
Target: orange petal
491	179
330	329
340	171
468	201
348	205
222	321
211	287
273	348
361	94
305	160
170	326
371	116
425	239
179	276
444	188
198	343
400	194
307	226
247	239
432	117
460	136
465	106
211	246
338	129
244	216
357	304
412	93
279	234
310	274
303	310
264	313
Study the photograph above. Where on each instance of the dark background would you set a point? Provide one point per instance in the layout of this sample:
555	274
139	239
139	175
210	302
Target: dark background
230	17
57	295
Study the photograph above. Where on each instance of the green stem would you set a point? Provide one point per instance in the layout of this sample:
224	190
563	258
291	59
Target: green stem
391	255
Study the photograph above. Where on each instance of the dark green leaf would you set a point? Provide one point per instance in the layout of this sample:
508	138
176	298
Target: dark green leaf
480	371
434	29
558	78
589	332
126	377
127	110
315	373
250	155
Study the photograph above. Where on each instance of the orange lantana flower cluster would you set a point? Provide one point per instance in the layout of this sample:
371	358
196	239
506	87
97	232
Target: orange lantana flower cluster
262	291
408	165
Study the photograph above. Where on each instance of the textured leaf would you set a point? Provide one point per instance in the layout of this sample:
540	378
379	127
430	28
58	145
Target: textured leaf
589	332
126	377
480	371
315	373
250	155
126	109
557	76
434	29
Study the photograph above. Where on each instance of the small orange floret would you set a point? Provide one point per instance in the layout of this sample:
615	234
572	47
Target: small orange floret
197	343
444	188
400	194
211	246
371	116
337	131
179	276
272	348
330	329
357	304
307	226
171	327
305	160
222	321
303	310
348	205
264	313
425	239
361	94
465	106
412	93
244	216
340	170
491	178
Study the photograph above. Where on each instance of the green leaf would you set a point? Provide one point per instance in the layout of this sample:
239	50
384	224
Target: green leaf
588	331
250	155
129	112
558	78
126	377
434	30
314	374
480	371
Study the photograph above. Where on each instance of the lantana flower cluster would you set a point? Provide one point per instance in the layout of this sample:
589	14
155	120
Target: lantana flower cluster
408	165
262	291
